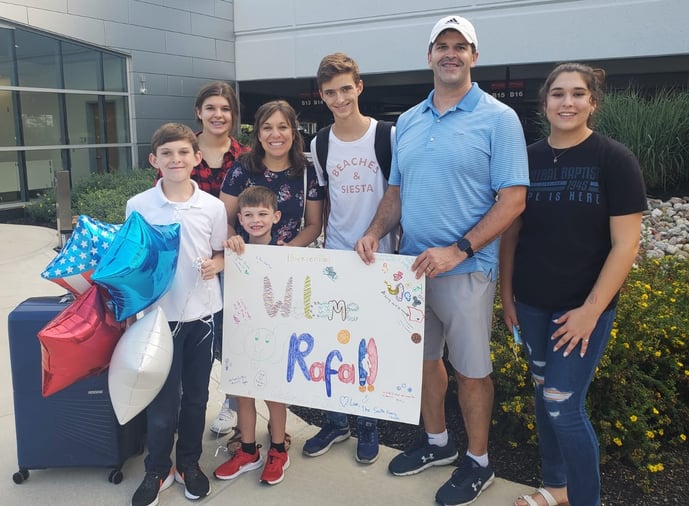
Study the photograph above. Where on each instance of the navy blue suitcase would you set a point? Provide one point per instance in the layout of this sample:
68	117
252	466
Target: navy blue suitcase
75	427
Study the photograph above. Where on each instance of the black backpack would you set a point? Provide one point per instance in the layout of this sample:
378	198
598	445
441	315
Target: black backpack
381	145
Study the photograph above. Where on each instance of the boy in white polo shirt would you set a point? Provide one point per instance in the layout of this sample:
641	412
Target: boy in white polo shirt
192	306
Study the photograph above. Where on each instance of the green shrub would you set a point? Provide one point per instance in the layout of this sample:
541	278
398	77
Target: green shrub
104	196
655	128
42	210
639	399
100	196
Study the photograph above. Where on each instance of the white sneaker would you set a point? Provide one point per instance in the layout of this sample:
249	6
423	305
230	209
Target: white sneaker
225	421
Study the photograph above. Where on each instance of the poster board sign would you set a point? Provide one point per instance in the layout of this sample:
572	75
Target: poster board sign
321	329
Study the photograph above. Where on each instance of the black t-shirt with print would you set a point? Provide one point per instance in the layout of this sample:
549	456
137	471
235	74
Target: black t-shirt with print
565	234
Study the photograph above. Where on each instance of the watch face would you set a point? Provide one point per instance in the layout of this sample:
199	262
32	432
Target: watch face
463	244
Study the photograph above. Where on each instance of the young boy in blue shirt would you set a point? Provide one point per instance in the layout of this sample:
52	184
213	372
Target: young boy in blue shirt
192	306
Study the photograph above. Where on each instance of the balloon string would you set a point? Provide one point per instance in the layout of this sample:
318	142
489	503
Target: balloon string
208	320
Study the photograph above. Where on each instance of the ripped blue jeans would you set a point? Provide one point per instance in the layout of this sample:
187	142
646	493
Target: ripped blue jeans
567	442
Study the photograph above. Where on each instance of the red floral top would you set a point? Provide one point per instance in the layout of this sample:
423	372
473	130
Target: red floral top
210	179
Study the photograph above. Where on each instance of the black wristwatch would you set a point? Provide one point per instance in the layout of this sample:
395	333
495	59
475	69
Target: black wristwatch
464	245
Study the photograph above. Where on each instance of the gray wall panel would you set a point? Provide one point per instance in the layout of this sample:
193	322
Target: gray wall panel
214	69
134	37
86	29
210	26
156	16
156	63
110	10
224	9
200	6
189	45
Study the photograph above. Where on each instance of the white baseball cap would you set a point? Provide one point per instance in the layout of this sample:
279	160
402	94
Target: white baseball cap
457	23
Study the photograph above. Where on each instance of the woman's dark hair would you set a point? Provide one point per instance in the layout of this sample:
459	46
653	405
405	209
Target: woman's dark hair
219	89
594	79
253	160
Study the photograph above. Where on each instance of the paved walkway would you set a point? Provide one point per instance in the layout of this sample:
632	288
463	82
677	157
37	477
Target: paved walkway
333	479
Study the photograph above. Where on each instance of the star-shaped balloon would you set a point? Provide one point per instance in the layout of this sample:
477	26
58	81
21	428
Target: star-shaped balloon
139	266
78	342
73	266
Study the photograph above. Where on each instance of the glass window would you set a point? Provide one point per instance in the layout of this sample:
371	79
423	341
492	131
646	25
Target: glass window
37	60
119	159
82	160
9	177
40	119
6	57
83	118
8	136
114	73
81	67
41	166
116	120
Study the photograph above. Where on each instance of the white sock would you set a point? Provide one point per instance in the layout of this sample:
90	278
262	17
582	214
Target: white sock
437	439
481	461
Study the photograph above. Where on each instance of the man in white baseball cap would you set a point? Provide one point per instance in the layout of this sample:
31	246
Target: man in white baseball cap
460	163
459	24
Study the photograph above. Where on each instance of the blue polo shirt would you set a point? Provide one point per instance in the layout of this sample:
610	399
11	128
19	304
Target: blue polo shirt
450	168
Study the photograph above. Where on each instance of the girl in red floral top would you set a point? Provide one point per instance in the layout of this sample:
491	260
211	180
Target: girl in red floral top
217	109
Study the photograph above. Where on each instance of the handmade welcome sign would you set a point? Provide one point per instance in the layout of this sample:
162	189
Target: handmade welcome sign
319	328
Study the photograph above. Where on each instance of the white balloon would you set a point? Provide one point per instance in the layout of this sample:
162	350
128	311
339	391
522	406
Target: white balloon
140	365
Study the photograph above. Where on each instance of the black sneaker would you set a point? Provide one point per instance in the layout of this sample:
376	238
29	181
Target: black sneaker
466	483
423	456
152	485
195	483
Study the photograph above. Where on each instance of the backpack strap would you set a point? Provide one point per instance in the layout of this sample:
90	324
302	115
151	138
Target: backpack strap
322	149
383	146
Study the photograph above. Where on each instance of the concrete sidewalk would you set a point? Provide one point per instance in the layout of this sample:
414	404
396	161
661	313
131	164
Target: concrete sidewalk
334	479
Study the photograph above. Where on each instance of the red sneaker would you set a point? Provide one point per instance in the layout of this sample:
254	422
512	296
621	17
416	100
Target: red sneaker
274	471
240	463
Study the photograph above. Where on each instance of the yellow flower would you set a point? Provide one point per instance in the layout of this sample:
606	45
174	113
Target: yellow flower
633	418
613	333
655	411
683	437
530	426
650	434
619	425
655	468
617	441
661	432
658	354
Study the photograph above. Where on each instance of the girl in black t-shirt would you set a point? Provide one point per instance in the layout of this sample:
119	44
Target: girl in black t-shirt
562	263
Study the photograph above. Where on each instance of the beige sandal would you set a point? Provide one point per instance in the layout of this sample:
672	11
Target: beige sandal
532	502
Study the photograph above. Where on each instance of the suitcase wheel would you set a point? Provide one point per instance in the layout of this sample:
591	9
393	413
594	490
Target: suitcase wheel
20	476
115	477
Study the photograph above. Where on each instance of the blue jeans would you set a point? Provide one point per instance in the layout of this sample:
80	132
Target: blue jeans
341	421
567	442
191	368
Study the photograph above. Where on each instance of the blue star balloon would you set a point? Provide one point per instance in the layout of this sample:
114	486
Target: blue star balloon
139	266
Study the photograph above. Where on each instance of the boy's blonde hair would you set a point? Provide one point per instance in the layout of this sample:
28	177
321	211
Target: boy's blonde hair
171	132
257	196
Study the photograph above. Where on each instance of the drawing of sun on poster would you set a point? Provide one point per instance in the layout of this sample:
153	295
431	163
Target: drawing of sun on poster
319	328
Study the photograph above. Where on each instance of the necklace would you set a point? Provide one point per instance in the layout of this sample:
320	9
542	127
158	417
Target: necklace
557	156
563	152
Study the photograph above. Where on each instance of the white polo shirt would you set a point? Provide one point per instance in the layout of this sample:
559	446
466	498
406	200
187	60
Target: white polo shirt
203	228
